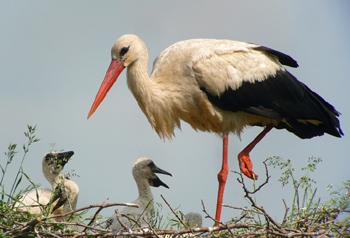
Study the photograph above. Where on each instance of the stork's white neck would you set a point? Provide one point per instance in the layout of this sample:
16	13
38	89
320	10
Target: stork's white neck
138	81
71	191
52	177
170	95
143	187
154	99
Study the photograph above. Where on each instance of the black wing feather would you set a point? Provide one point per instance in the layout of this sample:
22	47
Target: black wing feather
282	58
282	96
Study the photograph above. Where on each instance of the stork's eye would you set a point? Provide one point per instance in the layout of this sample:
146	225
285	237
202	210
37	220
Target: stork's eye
49	157
124	50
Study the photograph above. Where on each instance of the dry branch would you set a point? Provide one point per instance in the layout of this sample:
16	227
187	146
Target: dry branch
319	223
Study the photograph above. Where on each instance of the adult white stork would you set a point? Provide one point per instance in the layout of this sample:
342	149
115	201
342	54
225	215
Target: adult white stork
219	86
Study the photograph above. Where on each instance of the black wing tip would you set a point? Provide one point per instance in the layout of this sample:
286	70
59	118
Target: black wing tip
339	133
335	131
282	57
310	130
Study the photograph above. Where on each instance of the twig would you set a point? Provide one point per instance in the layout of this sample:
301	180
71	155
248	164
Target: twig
95	205
118	215
93	219
29	226
247	192
182	232
136	222
243	209
144	233
150	227
261	185
241	218
77	224
285	214
172	210
205	229
48	234
212	218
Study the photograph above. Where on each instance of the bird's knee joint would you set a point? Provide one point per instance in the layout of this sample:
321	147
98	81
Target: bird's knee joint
222	176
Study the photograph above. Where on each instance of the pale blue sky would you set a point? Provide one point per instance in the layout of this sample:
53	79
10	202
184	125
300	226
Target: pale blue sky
54	56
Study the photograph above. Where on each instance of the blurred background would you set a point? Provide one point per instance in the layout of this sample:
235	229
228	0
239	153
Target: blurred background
54	56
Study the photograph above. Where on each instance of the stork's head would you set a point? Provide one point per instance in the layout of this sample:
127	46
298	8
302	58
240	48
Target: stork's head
126	50
145	168
54	162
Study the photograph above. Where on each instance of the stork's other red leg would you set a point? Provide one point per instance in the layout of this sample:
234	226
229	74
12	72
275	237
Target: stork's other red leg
222	177
245	163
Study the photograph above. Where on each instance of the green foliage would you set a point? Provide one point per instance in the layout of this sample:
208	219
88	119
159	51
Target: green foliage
304	183
306	216
8	217
10	155
307	210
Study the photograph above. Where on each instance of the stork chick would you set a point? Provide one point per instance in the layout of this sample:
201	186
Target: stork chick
64	194
144	172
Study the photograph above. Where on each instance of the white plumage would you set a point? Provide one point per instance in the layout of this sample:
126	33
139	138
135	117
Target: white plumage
64	193
219	86
143	171
194	219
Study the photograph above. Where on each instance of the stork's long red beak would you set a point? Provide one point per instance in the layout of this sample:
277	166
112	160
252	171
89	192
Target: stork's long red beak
114	70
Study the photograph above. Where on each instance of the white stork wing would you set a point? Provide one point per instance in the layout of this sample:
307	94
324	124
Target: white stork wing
239	76
254	81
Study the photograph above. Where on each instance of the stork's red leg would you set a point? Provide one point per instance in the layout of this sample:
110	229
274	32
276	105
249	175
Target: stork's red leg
245	163
222	177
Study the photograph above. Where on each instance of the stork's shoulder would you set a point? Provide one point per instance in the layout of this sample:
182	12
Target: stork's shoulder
218	64
182	55
196	49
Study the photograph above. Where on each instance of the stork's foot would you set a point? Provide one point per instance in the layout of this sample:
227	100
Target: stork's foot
246	165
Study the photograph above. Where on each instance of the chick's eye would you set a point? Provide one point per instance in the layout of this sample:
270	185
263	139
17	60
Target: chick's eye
124	50
49	157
